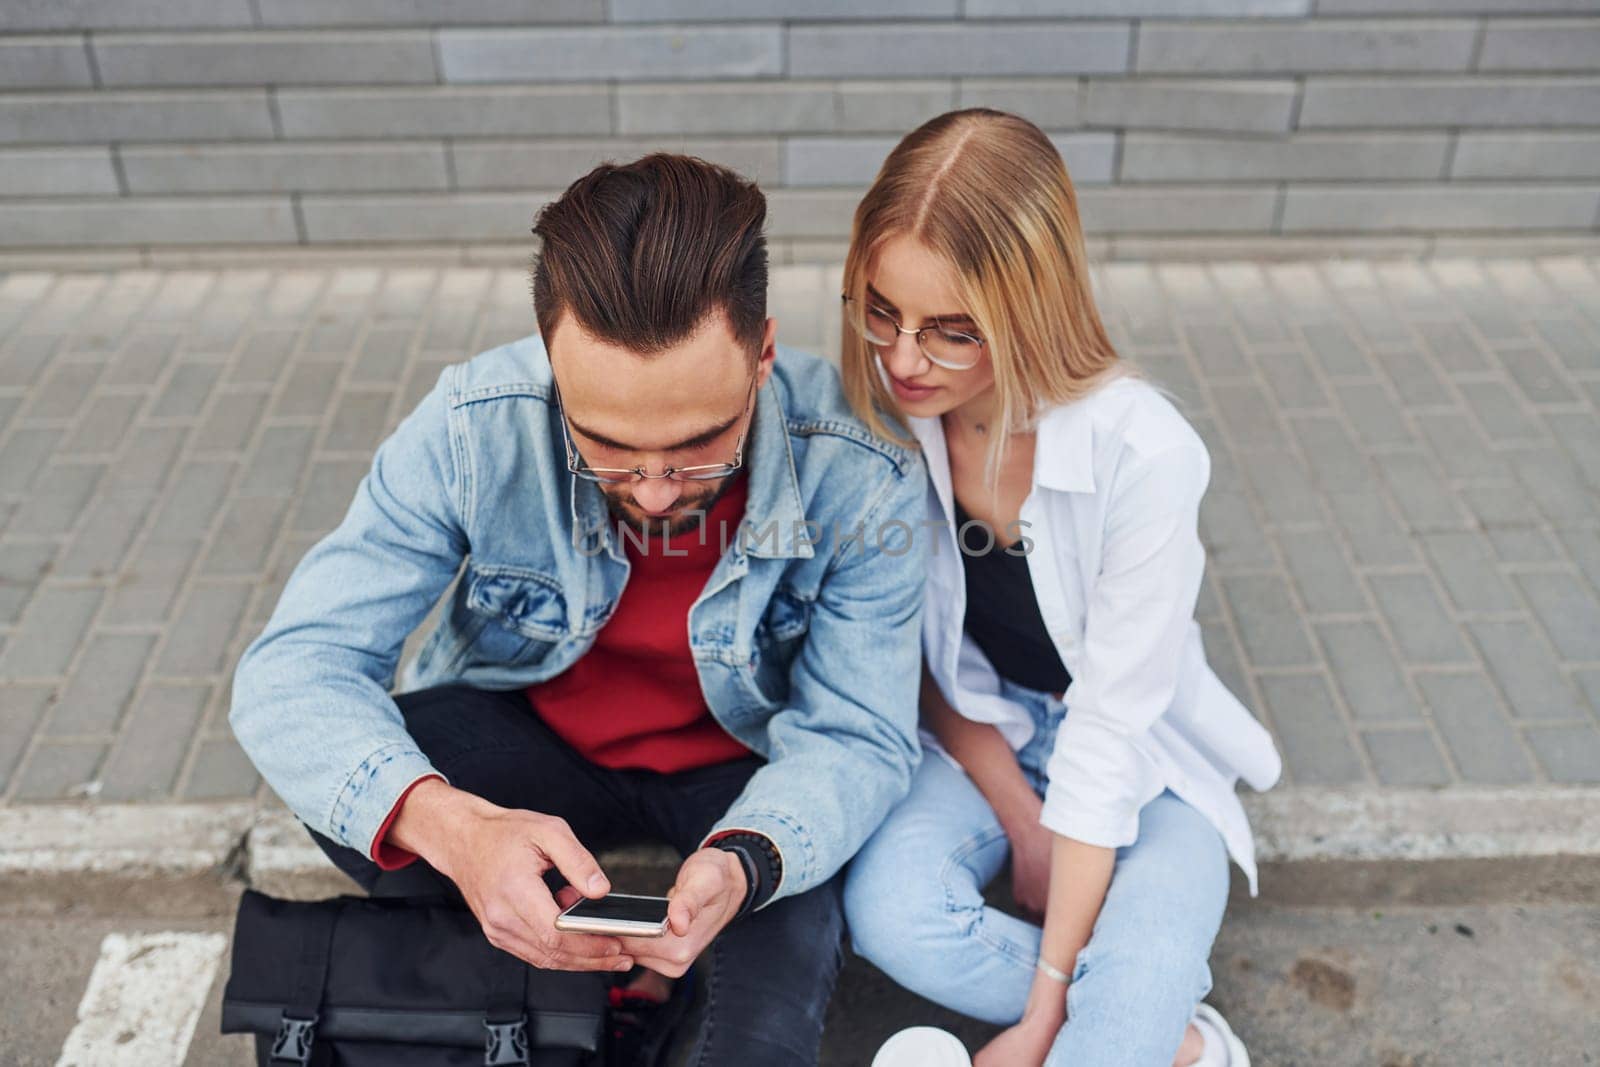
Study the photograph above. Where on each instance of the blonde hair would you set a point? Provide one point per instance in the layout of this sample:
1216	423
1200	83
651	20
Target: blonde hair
987	192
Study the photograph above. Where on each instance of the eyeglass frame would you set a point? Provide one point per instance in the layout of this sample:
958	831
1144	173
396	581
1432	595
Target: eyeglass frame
918	332
637	474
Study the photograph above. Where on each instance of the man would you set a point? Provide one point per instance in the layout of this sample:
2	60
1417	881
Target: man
605	671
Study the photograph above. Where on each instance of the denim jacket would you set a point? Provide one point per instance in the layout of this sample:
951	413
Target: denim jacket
805	638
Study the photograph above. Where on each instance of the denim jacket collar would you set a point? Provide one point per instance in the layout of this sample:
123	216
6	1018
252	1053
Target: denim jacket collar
774	485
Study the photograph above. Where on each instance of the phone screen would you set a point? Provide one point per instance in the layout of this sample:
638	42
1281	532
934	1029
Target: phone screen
623	907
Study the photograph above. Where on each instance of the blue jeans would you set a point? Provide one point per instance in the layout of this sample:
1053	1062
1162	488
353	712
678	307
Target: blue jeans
914	907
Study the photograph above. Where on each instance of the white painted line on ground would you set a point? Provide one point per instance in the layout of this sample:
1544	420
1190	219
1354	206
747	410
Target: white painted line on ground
143	1000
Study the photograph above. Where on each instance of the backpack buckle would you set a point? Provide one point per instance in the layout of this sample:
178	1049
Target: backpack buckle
294	1040
506	1044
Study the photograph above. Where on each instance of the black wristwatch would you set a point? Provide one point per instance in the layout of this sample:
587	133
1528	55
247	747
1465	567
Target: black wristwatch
763	866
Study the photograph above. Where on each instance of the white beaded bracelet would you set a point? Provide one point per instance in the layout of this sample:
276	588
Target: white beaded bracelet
1053	972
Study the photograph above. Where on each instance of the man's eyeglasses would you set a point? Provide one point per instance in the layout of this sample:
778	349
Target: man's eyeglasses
702	472
944	347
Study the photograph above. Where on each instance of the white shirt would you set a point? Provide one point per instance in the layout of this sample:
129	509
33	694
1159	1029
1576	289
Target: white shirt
1116	566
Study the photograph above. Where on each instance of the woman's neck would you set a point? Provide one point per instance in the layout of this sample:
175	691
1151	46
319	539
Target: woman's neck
977	418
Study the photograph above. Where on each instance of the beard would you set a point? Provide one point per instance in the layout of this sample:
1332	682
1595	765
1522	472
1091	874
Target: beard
687	514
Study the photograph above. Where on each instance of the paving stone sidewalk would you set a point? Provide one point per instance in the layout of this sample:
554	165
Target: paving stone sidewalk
1403	520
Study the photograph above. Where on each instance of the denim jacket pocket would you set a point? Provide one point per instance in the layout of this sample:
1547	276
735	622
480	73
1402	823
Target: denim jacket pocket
778	637
524	613
787	617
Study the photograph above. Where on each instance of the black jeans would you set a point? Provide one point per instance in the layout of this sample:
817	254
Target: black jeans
762	987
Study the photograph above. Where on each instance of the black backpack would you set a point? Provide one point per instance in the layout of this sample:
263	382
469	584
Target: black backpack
399	982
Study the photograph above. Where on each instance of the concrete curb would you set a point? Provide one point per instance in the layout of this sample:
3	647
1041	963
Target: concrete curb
1305	837
122	839
1300	825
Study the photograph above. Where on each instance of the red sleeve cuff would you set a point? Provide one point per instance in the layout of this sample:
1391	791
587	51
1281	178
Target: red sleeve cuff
392	857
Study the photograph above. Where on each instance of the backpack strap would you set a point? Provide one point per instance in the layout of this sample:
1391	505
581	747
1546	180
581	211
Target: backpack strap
506	1017
297	1030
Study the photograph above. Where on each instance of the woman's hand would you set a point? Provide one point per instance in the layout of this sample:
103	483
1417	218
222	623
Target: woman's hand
1023	1045
1031	846
1028	1042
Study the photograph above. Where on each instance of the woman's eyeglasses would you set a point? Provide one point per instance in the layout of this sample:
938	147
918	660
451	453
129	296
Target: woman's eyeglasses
944	347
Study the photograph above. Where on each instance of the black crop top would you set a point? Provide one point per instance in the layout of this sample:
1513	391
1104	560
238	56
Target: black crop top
1003	613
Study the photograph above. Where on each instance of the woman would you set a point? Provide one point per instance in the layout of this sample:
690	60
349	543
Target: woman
1071	717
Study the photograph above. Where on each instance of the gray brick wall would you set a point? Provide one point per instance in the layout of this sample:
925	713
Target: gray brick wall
146	125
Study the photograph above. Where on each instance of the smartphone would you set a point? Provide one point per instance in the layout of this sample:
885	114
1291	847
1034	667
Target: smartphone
616	913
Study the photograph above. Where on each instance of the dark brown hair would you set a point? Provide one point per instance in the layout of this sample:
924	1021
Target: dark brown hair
640	253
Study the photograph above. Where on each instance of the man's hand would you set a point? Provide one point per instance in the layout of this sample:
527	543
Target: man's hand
710	888
497	858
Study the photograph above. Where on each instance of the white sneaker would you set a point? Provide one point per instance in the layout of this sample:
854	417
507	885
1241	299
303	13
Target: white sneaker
923	1046
1223	1046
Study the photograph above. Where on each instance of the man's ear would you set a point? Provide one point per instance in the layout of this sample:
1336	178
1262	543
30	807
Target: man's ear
769	352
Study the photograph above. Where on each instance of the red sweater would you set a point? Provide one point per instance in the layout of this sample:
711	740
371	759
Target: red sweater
634	700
